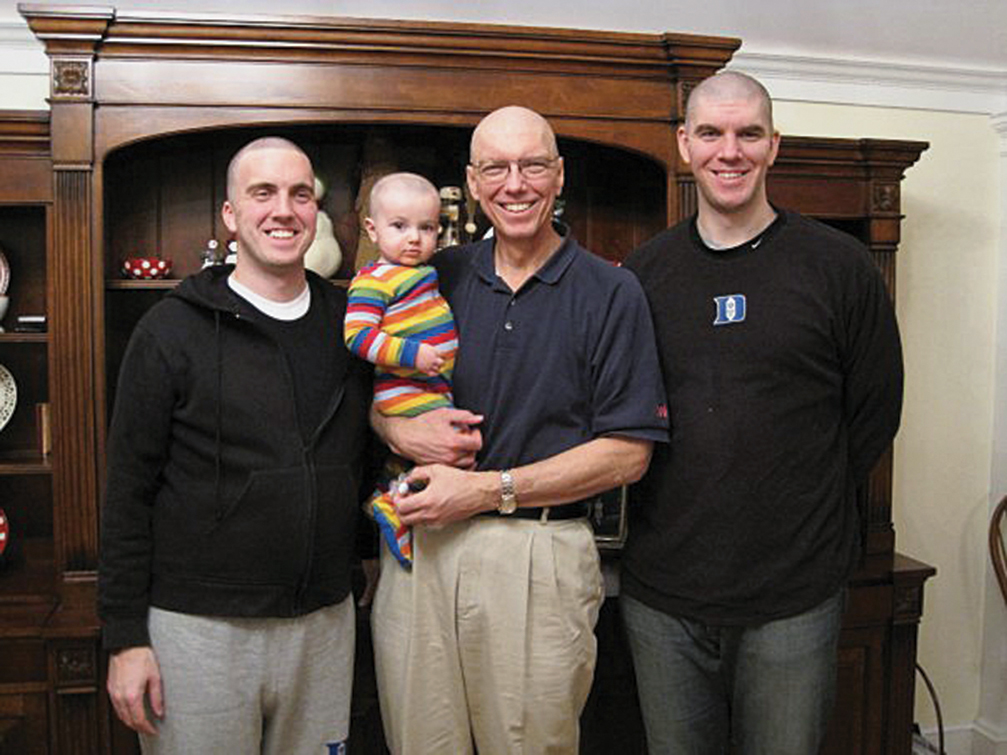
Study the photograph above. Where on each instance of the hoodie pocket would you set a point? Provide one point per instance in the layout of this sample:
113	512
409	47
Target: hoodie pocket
262	535
335	522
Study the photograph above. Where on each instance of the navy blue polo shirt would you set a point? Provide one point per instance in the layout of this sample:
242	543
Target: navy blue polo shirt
568	358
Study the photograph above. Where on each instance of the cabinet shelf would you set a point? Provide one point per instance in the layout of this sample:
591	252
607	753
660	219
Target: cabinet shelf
10	337
24	463
122	284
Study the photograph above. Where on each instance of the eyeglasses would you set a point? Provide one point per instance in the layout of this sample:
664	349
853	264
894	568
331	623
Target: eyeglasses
531	169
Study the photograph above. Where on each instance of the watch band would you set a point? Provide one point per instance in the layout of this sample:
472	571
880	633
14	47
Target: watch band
508	497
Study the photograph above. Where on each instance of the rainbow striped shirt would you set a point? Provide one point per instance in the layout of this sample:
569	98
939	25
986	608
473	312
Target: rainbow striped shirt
392	309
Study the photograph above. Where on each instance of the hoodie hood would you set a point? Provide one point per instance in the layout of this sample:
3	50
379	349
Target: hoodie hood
208	289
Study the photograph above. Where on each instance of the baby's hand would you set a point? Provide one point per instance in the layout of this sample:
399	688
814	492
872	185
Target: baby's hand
428	361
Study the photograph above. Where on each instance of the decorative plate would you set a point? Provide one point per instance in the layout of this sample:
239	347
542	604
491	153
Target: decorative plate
4	274
4	532
8	396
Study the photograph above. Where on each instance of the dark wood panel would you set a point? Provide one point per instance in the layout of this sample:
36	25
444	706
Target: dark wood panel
26	178
23	724
23	242
23	661
76	716
28	588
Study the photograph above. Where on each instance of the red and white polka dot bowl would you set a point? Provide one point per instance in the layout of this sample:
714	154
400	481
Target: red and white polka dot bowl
146	268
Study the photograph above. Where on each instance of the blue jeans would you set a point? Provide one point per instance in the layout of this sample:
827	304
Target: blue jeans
759	690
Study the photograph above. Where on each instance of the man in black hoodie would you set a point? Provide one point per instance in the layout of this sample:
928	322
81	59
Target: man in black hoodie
233	474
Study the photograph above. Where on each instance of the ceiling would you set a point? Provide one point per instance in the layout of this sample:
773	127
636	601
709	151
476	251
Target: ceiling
963	34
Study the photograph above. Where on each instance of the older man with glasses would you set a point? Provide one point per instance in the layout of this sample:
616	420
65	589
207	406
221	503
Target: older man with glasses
488	642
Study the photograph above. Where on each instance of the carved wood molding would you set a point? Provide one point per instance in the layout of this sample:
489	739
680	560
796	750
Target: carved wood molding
849	157
24	132
68	30
70	36
111	32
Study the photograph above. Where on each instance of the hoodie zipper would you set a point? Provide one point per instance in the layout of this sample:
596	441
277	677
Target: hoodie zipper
311	484
307	461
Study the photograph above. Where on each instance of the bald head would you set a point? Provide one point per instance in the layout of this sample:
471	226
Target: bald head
726	86
266	142
501	126
409	184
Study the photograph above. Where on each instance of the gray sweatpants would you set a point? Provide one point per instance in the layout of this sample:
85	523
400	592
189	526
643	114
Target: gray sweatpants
272	686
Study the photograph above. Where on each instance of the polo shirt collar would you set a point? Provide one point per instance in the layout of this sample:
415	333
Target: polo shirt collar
550	272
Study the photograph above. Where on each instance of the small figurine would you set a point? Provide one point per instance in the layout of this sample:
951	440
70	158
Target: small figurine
451	197
324	254
211	255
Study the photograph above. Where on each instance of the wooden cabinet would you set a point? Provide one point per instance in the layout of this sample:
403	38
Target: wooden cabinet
146	110
28	579
49	672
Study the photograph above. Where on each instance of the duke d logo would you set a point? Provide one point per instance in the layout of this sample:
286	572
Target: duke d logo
730	309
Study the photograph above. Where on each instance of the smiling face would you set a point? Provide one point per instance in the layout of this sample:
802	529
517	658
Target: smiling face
518	201
271	210
405	212
729	142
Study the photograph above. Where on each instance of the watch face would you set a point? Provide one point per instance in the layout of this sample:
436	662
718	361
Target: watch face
508	500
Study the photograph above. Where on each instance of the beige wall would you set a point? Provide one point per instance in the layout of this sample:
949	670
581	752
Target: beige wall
947	286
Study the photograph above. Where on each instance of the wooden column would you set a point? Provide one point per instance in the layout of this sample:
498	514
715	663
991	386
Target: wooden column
71	50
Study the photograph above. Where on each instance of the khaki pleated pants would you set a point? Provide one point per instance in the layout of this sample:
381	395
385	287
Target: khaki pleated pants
488	643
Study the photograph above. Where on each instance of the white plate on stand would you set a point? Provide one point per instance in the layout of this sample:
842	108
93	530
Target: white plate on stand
8	396
4	273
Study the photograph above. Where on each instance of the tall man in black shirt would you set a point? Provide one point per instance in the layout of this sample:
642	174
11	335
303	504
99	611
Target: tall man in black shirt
783	371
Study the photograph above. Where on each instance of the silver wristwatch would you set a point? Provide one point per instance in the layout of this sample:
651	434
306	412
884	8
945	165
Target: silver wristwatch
508	498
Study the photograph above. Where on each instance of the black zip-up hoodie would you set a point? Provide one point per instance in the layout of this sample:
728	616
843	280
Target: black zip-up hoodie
215	503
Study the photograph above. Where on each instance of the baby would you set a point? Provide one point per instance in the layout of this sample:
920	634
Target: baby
397	319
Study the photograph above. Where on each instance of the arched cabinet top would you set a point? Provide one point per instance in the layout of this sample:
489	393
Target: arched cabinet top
158	72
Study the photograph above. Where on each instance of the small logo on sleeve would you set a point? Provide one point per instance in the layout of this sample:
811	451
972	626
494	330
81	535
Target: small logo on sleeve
730	309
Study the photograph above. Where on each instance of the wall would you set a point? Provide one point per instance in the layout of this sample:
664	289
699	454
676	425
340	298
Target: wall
947	272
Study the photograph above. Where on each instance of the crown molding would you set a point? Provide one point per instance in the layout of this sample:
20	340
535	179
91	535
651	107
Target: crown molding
806	78
788	76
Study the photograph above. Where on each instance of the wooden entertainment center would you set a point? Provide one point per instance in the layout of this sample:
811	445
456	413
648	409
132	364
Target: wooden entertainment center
146	109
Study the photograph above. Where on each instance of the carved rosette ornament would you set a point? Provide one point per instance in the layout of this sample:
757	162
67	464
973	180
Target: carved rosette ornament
885	197
71	79
75	665
685	88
